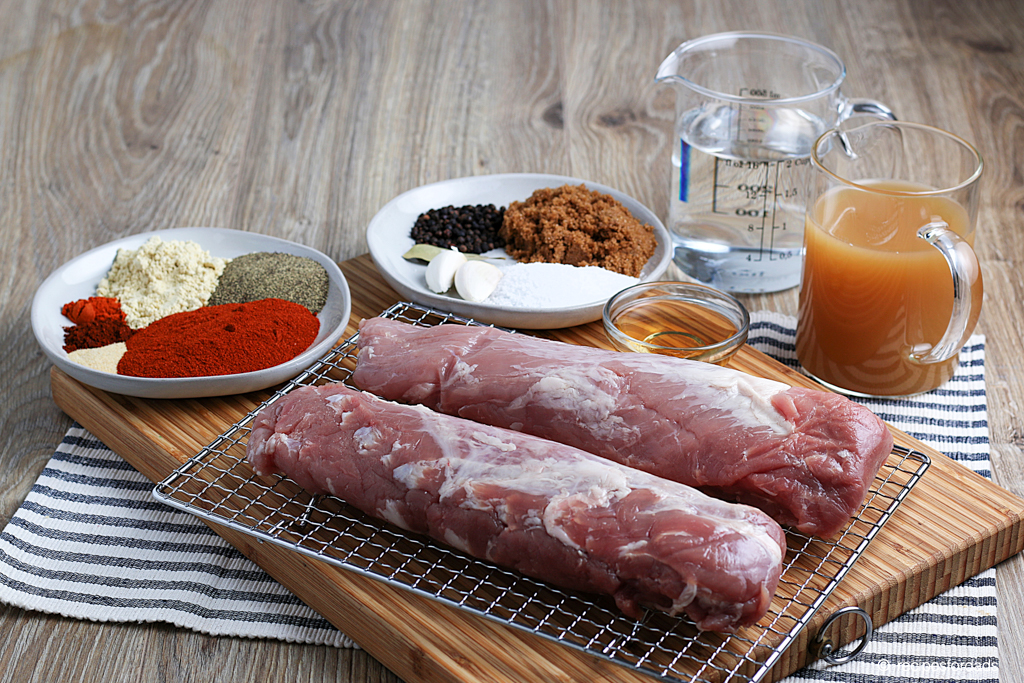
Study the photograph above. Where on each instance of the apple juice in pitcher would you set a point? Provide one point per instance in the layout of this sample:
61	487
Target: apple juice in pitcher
874	291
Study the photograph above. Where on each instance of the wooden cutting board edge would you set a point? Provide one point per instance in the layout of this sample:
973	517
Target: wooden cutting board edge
422	640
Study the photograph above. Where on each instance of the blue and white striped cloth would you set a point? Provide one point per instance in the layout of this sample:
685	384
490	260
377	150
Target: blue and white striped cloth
90	542
953	637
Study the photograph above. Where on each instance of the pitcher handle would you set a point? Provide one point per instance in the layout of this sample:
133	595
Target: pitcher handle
967	291
863	107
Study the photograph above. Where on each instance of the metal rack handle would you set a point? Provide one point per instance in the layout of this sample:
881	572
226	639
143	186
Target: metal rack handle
824	649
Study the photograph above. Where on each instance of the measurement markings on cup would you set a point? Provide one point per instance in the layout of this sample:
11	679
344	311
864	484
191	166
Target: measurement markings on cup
723	194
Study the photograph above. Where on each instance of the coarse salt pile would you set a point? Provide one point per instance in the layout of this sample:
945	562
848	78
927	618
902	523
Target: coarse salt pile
556	285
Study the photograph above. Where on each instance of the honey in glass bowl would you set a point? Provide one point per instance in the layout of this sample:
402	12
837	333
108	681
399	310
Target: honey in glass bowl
677	319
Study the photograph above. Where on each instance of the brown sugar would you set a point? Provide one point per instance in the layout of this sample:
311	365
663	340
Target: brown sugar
577	227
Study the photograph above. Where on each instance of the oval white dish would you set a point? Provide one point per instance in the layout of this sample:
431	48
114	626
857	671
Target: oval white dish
77	279
388	238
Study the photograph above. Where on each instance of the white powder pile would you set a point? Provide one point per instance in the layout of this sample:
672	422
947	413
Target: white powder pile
104	358
160	278
555	285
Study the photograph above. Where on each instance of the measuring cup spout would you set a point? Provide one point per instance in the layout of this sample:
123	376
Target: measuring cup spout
668	72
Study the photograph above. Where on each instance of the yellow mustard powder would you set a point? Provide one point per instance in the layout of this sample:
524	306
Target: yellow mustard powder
104	358
160	278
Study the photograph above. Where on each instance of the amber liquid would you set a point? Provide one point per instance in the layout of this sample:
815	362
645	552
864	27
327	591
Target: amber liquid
872	290
675	328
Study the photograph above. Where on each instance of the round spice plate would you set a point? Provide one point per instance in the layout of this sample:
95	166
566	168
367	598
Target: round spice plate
77	279
388	237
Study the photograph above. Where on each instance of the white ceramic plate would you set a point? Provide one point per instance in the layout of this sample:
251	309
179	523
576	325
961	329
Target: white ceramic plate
77	279
388	238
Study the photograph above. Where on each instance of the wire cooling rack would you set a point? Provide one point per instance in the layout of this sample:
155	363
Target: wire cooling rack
218	485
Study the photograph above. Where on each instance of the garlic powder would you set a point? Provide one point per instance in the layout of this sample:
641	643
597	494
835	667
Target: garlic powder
160	278
103	358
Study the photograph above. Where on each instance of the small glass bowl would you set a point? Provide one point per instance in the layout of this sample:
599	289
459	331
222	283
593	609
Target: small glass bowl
678	319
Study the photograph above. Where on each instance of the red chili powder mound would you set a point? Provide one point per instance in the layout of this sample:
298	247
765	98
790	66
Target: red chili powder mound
96	333
220	340
84	311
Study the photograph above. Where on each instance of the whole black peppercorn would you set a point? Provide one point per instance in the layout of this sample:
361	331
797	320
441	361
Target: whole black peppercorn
473	228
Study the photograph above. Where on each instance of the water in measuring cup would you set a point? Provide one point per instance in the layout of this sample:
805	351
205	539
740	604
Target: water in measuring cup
737	203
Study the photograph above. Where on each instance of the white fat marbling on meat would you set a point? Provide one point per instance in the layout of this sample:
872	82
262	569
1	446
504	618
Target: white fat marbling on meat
589	392
412	474
390	513
337	404
635	548
489	440
463	372
533	519
456	541
283	440
548	478
685	598
366	439
561	507
745	397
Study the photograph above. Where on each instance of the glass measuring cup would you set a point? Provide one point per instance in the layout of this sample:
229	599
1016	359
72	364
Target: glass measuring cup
891	287
748	108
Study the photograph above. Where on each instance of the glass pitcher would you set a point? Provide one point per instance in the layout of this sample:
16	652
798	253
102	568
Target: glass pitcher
749	106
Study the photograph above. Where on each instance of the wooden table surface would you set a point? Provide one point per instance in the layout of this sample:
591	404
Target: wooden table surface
302	119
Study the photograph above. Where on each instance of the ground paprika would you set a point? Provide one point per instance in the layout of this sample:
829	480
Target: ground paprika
220	340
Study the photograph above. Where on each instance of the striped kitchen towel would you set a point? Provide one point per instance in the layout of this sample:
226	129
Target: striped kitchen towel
953	637
90	542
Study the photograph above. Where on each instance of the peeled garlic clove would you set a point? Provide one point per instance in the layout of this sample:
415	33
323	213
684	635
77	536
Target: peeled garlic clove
442	268
475	280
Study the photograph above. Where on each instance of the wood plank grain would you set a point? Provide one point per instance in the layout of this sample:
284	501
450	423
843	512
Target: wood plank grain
952	526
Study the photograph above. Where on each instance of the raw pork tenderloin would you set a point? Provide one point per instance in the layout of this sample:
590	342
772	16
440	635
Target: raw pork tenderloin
548	510
805	457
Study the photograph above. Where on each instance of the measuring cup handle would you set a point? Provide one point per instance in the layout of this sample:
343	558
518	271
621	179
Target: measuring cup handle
862	107
967	291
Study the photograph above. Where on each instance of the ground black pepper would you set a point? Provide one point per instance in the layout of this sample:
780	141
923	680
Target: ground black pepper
266	275
471	229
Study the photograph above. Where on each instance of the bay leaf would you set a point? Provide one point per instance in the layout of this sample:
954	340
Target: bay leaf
422	252
425	252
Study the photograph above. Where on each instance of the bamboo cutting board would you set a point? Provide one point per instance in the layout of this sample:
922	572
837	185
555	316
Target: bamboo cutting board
953	525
